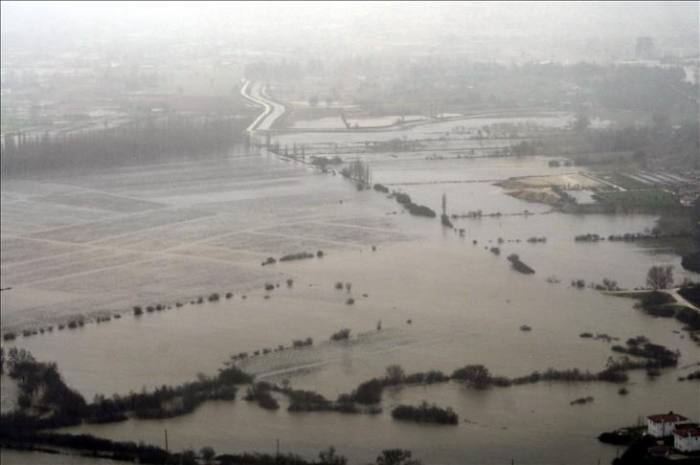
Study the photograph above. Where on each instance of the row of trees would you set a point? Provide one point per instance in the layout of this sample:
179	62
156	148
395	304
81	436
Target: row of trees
413	208
358	171
425	413
168	401
144	453
150	140
657	145
648	354
41	387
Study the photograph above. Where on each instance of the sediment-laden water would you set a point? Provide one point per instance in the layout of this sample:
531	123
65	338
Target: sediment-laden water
173	232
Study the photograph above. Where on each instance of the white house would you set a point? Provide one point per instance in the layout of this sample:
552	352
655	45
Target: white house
662	425
686	438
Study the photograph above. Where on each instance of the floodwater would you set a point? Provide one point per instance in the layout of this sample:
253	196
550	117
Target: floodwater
336	122
531	424
456	128
41	458
195	228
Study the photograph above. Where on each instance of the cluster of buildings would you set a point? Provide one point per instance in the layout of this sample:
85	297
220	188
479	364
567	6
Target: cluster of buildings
686	435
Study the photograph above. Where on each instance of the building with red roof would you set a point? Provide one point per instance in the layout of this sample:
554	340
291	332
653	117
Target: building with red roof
686	437
661	426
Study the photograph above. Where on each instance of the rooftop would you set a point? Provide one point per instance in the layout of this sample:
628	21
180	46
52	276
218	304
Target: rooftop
687	430
669	417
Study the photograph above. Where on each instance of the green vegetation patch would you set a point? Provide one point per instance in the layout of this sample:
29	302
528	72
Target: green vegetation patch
639	200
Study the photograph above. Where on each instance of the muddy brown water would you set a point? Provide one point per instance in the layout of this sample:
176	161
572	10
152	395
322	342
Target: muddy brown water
466	304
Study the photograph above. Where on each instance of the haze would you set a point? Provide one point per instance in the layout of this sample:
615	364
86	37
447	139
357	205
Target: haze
331	233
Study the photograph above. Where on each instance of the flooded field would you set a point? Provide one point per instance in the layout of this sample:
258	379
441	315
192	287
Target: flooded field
458	129
322	233
161	233
171	233
336	122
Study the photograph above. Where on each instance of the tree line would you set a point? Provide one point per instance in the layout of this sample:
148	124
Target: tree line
42	388
149	140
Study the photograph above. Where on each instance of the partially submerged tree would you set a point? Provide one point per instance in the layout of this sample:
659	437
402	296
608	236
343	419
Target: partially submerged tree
395	374
396	457
329	457
660	277
207	454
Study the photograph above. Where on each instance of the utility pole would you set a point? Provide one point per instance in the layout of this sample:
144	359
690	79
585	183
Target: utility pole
278	448
166	440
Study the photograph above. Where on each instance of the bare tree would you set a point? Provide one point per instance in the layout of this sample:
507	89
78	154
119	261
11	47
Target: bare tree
660	277
395	374
358	171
